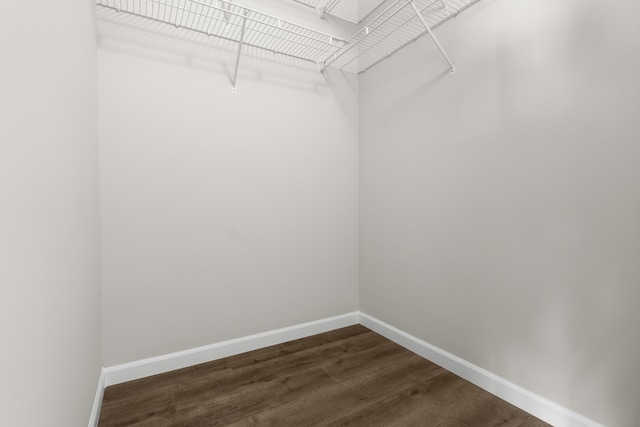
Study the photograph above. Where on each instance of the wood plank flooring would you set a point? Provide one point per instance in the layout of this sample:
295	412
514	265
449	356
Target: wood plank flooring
347	377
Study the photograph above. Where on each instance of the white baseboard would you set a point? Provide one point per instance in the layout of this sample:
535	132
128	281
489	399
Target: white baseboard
169	362
544	409
97	401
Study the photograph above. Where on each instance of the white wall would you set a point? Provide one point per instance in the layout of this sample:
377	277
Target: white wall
223	214
49	235
500	207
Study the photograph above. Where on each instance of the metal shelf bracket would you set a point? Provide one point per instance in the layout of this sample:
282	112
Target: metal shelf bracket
240	44
452	69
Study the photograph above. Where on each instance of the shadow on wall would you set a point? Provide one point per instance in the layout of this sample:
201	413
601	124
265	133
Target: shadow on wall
128	34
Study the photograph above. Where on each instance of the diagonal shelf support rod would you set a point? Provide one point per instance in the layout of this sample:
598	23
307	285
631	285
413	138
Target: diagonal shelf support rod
331	4
235	73
452	70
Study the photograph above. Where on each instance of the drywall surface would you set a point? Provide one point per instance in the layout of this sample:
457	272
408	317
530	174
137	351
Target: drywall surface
223	215
500	207
49	235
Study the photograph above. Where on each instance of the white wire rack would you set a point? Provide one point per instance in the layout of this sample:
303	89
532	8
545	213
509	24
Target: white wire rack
232	22
354	11
403	22
316	4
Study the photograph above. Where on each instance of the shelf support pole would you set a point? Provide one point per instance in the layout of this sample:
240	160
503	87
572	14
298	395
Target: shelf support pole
452	70
241	43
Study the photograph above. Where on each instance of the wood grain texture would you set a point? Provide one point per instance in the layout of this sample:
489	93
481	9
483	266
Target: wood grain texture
347	377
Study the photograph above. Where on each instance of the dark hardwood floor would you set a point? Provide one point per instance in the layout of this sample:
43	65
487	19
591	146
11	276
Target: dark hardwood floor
350	376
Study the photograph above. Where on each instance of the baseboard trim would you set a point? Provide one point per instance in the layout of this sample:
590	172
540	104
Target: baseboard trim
182	359
546	410
97	401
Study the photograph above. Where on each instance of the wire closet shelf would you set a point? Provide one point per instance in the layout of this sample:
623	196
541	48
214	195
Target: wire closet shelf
232	22
354	11
400	24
